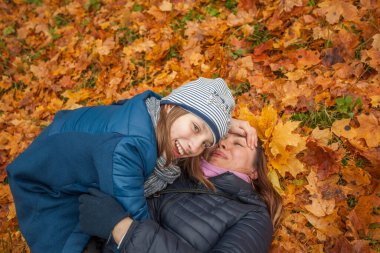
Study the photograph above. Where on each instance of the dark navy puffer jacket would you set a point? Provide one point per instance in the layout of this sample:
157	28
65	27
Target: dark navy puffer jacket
191	222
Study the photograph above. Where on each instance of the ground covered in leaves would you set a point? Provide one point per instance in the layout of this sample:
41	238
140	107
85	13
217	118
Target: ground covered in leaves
305	73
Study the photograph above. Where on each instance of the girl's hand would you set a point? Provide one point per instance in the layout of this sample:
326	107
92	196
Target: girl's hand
243	128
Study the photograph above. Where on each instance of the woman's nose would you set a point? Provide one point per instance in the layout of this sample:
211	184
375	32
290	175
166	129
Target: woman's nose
223	144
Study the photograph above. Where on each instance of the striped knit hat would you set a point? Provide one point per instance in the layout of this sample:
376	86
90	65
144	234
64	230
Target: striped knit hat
209	99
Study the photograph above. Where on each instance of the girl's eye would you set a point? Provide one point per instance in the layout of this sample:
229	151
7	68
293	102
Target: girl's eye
239	144
207	145
196	128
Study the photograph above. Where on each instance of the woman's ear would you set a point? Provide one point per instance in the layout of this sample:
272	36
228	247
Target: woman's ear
254	175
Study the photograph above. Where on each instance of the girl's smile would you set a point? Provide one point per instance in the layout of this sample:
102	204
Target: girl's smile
190	135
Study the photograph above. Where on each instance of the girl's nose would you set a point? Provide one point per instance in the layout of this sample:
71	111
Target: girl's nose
195	145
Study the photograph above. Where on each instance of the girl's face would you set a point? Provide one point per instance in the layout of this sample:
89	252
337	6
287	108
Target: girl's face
233	154
190	135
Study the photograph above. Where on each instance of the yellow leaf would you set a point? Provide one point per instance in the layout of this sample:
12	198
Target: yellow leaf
75	97
342	128
12	212
283	136
166	6
369	130
296	75
375	100
273	177
376	41
327	225
104	48
266	122
293	166
322	136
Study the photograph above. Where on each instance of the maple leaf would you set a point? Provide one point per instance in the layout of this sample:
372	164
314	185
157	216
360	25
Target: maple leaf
291	94
323	158
282	137
273	178
241	18
333	10
296	75
367	130
166	6
376	41
328	225
287	163
264	123
320	207
105	47
288	5
363	214
305	58
321	136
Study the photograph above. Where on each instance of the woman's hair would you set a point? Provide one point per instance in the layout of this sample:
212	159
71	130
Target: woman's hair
264	186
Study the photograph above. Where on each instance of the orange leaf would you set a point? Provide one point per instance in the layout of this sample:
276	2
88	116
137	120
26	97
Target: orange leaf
333	10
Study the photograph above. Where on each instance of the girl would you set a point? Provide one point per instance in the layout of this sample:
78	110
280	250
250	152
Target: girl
113	148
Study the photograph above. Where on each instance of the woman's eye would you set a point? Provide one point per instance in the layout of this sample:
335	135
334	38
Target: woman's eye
239	144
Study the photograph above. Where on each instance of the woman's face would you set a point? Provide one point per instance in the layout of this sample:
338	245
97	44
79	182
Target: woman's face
190	135
233	154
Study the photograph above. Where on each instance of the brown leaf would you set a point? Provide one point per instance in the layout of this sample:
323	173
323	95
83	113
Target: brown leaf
331	56
365	213
323	158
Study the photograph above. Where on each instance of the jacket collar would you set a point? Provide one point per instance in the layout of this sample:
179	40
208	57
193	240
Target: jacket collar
231	184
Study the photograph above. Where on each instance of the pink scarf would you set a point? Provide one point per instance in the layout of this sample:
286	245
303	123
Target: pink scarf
210	170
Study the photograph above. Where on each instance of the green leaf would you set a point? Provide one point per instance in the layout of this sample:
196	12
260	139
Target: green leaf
53	34
36	2
212	11
231	4
9	30
92	5
374	225
137	8
61	20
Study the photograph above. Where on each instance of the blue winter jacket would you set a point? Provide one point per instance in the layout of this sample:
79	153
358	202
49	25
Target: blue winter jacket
112	148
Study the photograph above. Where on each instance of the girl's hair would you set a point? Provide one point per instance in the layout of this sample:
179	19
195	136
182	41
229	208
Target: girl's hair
192	164
265	188
166	120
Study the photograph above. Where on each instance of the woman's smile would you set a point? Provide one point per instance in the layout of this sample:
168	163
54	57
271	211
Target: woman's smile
218	153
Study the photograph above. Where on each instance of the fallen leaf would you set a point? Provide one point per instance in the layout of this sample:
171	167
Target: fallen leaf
327	225
333	10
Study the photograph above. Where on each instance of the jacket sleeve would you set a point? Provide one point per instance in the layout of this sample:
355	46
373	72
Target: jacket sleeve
252	233
148	237
132	164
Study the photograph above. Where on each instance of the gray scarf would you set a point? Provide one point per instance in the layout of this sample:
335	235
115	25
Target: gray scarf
161	175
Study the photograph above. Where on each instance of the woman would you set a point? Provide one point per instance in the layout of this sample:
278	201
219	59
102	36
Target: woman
238	217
